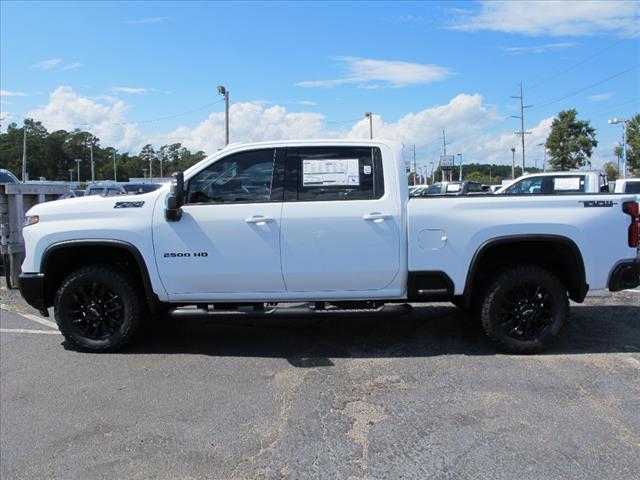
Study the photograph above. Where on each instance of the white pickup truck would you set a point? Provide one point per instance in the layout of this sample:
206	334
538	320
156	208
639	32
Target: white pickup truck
324	222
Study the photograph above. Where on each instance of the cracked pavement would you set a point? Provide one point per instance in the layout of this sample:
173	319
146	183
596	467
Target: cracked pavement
418	396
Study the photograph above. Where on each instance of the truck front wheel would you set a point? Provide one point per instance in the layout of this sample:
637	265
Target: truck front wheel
524	309
97	308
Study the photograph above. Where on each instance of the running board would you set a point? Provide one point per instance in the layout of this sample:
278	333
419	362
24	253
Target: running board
395	309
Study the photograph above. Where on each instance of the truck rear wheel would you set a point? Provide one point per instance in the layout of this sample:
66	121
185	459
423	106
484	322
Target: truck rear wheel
524	309
97	308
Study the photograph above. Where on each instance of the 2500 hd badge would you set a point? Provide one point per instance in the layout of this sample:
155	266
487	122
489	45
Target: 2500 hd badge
185	254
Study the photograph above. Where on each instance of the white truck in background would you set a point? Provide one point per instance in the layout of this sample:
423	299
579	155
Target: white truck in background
329	223
557	183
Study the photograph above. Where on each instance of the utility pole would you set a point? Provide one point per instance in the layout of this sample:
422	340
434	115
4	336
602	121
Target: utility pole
522	132
225	93
415	170
93	176
433	173
369	115
115	175
24	152
144	172
78	160
460	173
513	163
161	158
444	148
71	175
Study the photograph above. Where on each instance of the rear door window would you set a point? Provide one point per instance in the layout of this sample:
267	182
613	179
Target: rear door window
568	184
335	173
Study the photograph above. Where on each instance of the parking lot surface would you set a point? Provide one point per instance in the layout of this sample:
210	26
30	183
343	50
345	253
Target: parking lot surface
417	396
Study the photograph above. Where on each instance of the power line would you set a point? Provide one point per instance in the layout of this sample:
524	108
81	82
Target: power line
611	107
575	92
151	120
581	62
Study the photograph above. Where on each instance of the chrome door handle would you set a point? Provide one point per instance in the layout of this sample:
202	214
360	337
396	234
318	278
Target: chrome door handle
259	219
377	217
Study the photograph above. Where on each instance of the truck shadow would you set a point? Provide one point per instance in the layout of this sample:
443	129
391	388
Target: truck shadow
427	331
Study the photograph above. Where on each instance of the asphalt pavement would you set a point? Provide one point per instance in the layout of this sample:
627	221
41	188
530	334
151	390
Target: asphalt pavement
418	396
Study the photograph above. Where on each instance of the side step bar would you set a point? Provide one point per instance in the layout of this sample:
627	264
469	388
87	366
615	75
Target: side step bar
302	311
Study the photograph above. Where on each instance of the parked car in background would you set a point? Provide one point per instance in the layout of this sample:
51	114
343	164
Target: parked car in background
74	193
7	177
138	188
416	190
112	188
628	185
557	183
453	188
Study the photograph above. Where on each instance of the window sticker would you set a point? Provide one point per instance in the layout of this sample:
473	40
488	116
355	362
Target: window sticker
567	183
367	169
330	172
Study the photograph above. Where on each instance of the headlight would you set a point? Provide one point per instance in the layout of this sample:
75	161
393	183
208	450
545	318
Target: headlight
30	220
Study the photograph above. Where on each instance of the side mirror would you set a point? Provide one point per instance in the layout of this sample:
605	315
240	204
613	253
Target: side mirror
175	199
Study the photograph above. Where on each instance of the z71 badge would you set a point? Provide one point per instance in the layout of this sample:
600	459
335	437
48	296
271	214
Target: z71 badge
598	203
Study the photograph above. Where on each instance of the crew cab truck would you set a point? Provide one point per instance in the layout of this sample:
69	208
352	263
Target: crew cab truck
324	222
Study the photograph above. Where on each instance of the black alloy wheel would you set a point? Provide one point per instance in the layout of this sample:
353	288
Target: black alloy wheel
97	308
524	309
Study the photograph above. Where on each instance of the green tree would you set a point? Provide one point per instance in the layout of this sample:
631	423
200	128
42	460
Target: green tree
570	142
611	169
633	144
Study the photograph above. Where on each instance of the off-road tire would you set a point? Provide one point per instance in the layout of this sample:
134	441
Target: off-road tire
524	309
98	308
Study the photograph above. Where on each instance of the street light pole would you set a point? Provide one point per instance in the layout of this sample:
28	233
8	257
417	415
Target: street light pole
369	115
460	173
93	176
115	174
415	171
24	152
616	121
544	162
513	163
225	93
78	160
433	173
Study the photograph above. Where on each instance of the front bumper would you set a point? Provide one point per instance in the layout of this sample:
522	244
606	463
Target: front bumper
625	275
32	289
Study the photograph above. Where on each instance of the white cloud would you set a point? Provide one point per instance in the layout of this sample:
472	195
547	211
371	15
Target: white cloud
537	48
557	18
601	97
7	93
5	119
130	90
47	64
71	66
69	110
251	122
473	128
369	72
307	102
148	20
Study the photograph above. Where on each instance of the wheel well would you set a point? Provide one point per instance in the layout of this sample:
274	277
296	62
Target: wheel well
558	255
59	261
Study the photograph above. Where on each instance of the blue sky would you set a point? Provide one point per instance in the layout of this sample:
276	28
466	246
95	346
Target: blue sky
312	69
